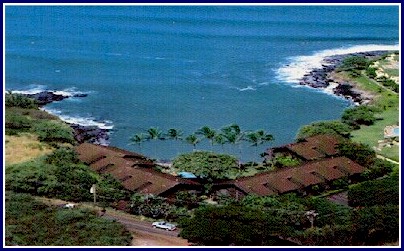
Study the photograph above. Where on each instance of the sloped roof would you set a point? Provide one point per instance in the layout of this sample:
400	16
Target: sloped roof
127	167
316	147
294	178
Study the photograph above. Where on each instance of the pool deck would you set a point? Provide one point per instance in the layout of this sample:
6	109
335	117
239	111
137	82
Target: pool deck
391	131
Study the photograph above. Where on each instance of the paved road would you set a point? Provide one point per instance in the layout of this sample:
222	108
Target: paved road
140	226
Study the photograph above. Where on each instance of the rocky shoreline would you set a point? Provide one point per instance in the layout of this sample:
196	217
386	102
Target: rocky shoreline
323	77
81	133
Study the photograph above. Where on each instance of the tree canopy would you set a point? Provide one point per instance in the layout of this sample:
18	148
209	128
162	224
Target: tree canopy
333	127
32	223
206	165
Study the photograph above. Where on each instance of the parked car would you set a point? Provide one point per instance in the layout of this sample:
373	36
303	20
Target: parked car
164	225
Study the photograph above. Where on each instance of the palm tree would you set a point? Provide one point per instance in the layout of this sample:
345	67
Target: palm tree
193	140
233	135
208	133
174	134
220	139
154	133
138	139
258	138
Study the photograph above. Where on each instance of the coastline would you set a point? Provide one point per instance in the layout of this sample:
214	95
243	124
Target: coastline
81	133
325	78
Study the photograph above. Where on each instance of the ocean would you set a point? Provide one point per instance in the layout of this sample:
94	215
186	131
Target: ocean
185	67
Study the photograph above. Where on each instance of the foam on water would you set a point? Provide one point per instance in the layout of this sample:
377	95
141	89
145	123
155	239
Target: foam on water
34	89
298	66
248	88
80	120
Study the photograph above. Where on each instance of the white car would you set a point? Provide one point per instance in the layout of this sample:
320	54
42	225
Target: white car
164	225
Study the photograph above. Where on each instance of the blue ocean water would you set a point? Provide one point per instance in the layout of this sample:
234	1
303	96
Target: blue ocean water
188	66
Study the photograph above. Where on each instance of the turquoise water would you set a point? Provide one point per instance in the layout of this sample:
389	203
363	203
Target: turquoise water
186	67
396	131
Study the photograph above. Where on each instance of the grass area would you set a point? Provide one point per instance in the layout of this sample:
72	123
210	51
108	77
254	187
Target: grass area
388	102
32	223
24	147
392	72
390	152
371	134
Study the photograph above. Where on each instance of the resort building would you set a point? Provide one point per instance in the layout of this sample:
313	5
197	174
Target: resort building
320	166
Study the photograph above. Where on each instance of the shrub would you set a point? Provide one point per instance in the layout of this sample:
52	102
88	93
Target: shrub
62	156
354	63
377	225
371	72
359	115
16	123
53	131
375	192
284	161
19	100
31	223
207	165
378	169
325	127
358	152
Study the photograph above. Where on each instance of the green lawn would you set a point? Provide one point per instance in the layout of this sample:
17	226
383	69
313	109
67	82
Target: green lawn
388	102
371	134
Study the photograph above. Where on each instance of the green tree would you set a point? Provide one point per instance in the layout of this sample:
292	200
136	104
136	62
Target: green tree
16	123
358	152
234	136
154	133
174	134
138	139
62	156
354	65
220	140
333	127
228	225
54	131
192	140
207	165
150	206
19	100
375	192
257	138
208	133
32	223
377	225
110	190
359	115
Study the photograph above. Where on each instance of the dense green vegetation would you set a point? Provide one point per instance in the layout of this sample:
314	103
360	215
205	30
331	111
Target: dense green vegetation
375	192
231	134
263	220
31	223
61	175
364	123
207	165
332	127
19	100
371	219
359	115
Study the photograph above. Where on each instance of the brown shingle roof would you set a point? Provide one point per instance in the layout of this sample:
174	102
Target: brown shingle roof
294	178
316	147
124	165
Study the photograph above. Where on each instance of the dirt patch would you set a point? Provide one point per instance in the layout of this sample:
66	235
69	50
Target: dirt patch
141	238
23	148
